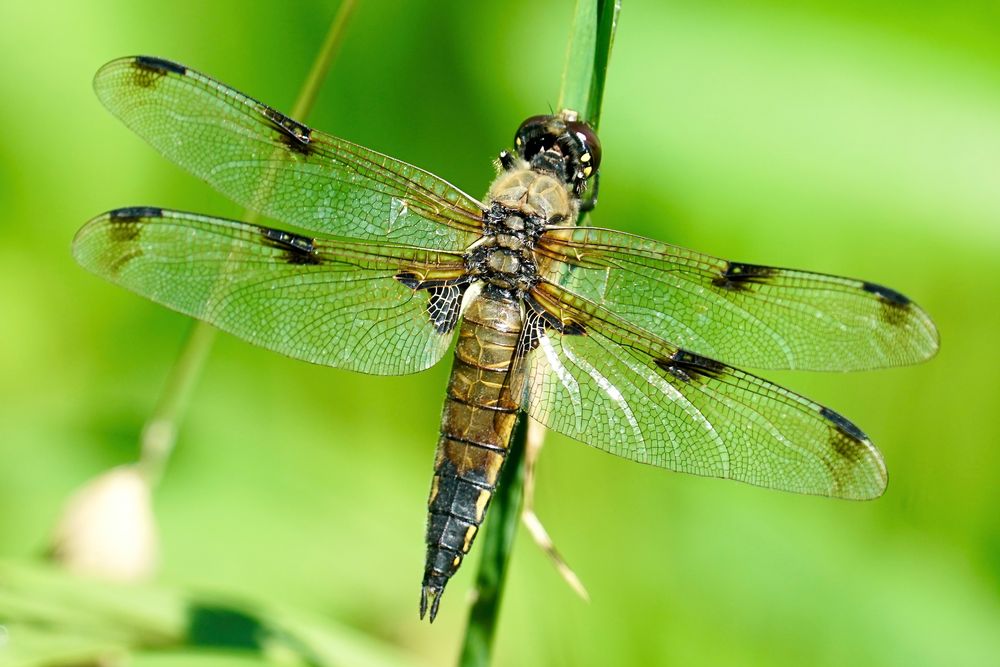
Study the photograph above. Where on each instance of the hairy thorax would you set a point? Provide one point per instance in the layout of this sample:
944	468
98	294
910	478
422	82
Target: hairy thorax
534	194
522	203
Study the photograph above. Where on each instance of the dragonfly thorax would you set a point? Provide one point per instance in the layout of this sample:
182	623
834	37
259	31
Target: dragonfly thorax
522	202
533	195
503	257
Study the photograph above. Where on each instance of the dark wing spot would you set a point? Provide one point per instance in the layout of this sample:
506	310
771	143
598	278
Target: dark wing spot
134	213
124	224
298	249
886	294
531	334
846	436
895	306
124	231
842	424
444	303
295	135
147	70
159	65
738	276
687	366
409	279
119	263
851	454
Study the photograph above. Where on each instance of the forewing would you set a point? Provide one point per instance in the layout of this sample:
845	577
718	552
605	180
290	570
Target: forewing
625	391
276	166
745	314
375	308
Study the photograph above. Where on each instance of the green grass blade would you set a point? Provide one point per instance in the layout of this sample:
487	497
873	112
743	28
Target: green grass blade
49	618
587	56
496	546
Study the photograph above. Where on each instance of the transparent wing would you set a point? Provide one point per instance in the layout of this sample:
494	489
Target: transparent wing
375	308
627	392
744	314
278	167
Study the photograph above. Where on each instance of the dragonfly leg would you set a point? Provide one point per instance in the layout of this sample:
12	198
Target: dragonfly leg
587	205
536	437
506	160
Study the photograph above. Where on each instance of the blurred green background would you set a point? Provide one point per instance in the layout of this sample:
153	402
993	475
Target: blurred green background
858	138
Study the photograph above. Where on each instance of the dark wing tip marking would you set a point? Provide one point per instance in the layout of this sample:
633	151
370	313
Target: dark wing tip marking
124	224
737	276
895	306
295	135
687	366
159	65
134	213
852	446
887	295
147	70
844	426
298	249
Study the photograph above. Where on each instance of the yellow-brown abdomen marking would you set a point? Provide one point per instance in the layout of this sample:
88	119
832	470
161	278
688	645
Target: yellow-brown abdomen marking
476	428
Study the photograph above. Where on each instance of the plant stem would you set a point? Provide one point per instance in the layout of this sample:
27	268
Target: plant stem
159	435
497	544
587	54
321	65
583	78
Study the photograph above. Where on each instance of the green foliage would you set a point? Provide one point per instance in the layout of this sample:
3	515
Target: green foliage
52	618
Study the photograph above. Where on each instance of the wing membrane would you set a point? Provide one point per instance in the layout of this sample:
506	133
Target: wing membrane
744	314
348	304
629	393
278	167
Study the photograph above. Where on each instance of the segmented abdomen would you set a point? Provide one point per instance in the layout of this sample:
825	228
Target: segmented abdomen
476	428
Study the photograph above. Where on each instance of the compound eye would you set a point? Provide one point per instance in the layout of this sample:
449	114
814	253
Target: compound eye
590	155
533	135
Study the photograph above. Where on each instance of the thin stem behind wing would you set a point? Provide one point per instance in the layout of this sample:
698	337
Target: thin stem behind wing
159	434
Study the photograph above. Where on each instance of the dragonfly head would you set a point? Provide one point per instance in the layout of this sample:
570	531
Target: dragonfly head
561	144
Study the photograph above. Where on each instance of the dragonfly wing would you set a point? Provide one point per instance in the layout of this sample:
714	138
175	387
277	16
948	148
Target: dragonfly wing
584	372
375	308
746	314
279	167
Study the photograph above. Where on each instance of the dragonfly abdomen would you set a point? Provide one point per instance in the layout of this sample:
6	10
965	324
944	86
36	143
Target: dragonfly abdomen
476	428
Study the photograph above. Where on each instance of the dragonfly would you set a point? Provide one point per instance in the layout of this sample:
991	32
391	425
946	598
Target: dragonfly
627	344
